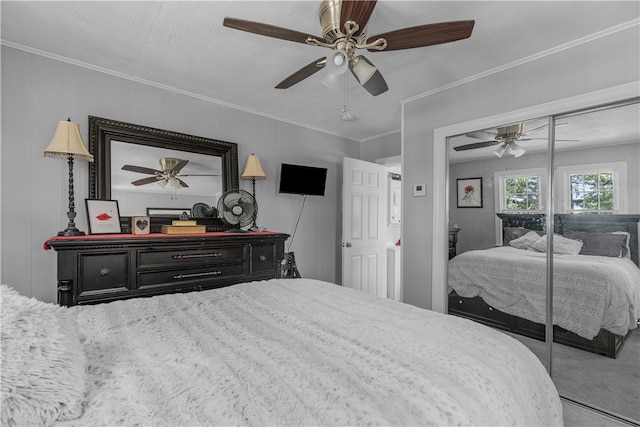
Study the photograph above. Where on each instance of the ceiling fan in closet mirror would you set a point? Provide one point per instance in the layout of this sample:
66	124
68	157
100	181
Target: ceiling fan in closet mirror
344	31
507	137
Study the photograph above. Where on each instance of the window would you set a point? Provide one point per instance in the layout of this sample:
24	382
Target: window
593	189
520	191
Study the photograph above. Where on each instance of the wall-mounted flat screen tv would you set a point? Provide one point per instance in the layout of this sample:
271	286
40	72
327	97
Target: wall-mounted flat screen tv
306	180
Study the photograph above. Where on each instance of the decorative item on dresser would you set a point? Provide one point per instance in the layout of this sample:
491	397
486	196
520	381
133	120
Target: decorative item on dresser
67	143
253	170
93	269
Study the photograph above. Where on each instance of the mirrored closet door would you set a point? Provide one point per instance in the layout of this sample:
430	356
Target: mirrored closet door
597	193
578	175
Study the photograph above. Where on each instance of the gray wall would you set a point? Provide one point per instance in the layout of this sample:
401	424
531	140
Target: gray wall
37	92
477	226
605	62
381	147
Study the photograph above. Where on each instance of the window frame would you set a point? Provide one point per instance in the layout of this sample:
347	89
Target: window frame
563	180
499	179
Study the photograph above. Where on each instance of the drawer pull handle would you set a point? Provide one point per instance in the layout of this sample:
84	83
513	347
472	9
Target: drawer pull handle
263	258
105	271
210	255
460	301
188	276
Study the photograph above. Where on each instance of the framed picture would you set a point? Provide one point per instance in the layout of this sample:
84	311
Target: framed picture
470	192
104	216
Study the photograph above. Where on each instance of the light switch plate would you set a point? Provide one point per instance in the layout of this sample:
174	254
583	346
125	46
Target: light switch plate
419	190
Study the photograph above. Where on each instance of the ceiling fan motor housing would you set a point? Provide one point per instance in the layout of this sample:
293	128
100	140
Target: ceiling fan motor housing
330	20
168	163
510	132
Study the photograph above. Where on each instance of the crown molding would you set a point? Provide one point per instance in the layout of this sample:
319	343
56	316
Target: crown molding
166	87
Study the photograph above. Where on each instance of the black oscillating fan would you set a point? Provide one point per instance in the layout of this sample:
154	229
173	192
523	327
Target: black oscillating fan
237	208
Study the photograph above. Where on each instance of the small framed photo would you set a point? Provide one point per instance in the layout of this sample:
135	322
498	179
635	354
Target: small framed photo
469	193
104	216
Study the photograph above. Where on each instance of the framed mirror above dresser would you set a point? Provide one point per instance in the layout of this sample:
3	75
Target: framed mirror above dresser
144	167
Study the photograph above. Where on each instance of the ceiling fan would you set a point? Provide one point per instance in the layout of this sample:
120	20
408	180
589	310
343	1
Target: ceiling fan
507	138
343	28
168	173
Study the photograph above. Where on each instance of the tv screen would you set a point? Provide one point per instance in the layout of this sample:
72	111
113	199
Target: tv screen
307	180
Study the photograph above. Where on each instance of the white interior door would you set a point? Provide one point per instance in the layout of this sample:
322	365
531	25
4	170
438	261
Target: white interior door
364	219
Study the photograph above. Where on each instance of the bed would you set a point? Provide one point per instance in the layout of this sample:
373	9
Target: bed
596	280
276	352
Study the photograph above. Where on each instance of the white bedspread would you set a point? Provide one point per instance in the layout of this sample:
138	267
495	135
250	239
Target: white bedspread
303	352
589	293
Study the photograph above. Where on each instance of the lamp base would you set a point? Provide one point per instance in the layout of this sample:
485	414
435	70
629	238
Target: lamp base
70	233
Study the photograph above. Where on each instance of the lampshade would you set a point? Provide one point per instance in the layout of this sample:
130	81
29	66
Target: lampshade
67	141
516	150
362	69
500	150
253	169
337	64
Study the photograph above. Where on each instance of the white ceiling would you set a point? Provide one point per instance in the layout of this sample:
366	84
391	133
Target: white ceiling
184	46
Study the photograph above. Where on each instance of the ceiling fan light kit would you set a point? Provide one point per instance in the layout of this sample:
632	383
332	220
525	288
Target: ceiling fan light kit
509	148
343	25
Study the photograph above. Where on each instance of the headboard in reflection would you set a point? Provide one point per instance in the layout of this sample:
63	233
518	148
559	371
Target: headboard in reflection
127	154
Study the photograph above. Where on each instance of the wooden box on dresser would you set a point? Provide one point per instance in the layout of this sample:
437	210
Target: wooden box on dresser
94	269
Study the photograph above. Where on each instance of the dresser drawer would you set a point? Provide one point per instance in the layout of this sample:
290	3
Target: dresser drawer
194	275
102	273
156	258
262	258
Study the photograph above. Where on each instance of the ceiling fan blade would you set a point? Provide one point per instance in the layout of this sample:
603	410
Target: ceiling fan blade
182	183
476	145
303	73
535	129
481	135
144	181
177	168
425	35
267	30
140	169
368	75
358	11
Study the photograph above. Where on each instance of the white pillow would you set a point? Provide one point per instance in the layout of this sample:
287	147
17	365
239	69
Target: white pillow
561	245
526	241
43	362
626	252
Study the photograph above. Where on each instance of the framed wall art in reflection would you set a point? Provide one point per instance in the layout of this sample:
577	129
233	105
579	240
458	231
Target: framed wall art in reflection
469	192
103	216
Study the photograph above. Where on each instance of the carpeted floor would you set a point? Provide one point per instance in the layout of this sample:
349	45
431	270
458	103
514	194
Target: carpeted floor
612	385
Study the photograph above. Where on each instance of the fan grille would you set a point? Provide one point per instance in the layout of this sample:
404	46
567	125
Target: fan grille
237	208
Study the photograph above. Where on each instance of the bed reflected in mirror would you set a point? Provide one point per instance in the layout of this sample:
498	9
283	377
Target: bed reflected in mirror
502	247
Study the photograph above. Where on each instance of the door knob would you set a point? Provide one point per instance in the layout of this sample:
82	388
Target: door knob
348	244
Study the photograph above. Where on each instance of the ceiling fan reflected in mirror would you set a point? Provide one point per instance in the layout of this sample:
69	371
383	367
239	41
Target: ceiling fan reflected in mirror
168	173
506	137
344	24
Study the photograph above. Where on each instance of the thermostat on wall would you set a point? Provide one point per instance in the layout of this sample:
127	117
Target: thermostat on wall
419	190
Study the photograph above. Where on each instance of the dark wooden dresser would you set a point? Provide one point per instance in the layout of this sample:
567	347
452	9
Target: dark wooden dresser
453	241
94	269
